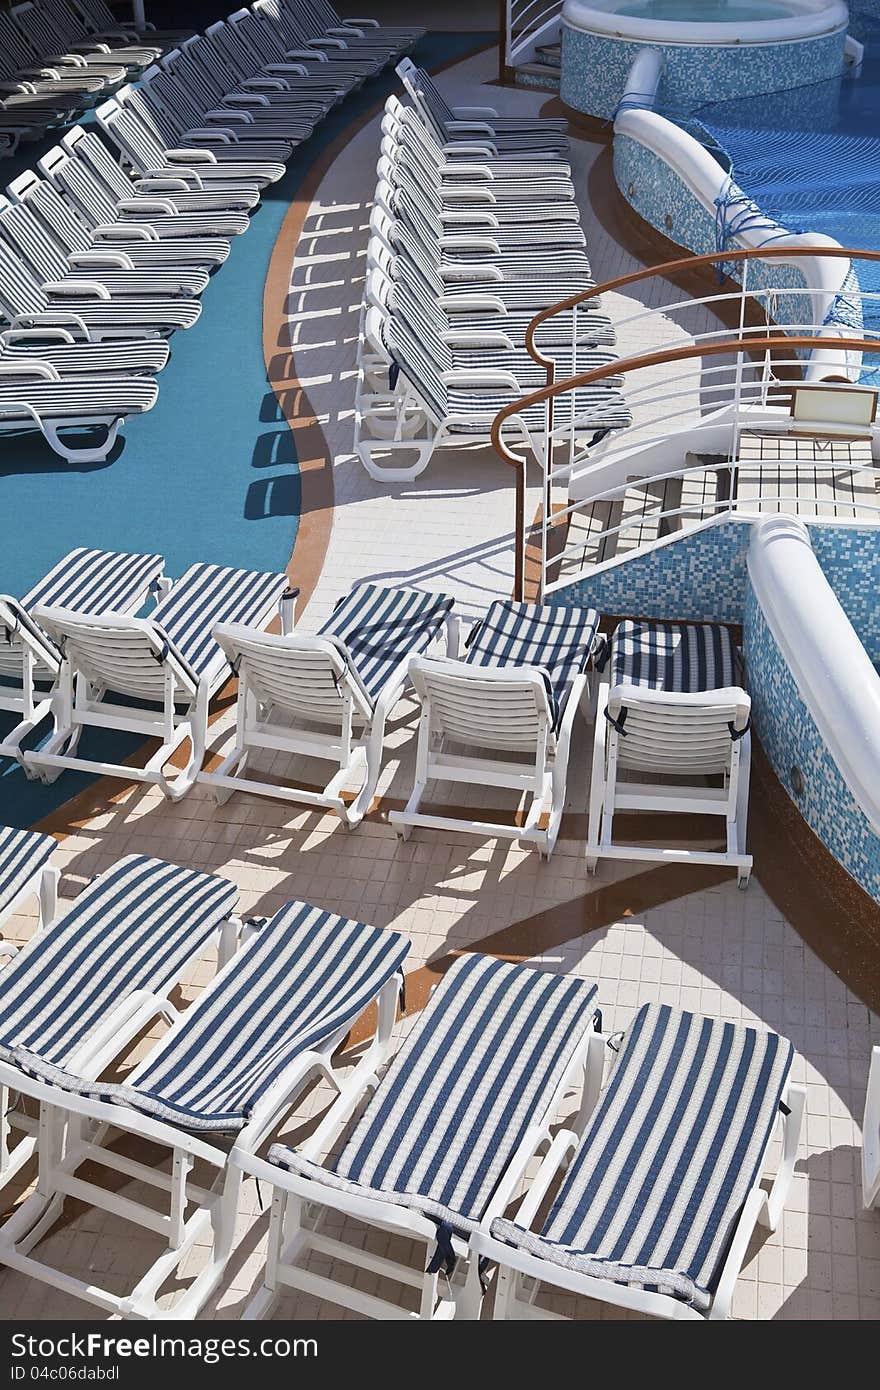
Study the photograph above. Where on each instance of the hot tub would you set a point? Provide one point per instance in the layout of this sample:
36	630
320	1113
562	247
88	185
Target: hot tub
711	49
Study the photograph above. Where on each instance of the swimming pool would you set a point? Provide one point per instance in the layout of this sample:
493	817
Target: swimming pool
722	11
810	157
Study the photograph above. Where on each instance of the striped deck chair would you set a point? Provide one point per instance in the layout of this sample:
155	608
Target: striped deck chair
233	1066
72	356
33	395
36	102
430	1158
306	75
48	46
77	35
503	717
62	275
398	37
71	228
672	712
871	1135
93	181
242	151
101	20
58	82
83	987
328	696
25	872
295	106
151	676
461	183
660	1197
427	401
347	49
87	305
329	61
511	139
91	581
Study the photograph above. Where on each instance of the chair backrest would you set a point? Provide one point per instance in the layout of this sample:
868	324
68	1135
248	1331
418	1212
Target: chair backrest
124	122
18	633
665	732
169	89
196	64
427	97
301	14
24	233
303	675
225	47
130	656
73	173
65	23
50	209
21	292
15	44
504	707
39	27
99	16
261	36
277	14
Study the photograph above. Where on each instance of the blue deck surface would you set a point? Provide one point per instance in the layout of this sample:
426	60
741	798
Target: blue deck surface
209	474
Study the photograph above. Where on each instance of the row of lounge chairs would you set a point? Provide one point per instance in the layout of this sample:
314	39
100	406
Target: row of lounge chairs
475	228
653	1184
666	699
102	255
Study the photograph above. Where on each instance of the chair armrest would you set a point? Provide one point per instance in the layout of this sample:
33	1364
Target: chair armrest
257	84
215	134
475	149
459	242
318	44
460	337
481	379
124	231
228	117
469	218
191	156
310	54
472	303
147	205
485	112
244	99
159	185
18	88
50	331
51	318
44	370
468	192
448	170
77	289
180	174
475	127
117	259
362	23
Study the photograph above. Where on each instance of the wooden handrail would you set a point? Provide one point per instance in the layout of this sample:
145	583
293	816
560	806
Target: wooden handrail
762	253
631	364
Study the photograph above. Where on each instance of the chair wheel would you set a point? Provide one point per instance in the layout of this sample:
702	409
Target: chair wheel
742	881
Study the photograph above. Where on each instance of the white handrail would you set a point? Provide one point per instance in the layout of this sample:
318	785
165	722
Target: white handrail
527	24
828	663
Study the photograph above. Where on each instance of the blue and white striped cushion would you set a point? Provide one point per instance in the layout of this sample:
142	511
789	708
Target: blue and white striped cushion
682	657
481	1065
134	927
304	977
379	628
96	582
209	594
22	854
664	1169
556	640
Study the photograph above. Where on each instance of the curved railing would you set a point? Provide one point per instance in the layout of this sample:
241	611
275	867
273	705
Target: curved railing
814	351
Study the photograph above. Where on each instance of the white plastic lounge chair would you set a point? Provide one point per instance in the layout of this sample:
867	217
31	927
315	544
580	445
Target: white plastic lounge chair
511	138
330	61
233	1064
95	183
25	872
84	986
101	20
503	717
27	302
167	668
672	708
328	695
871	1135
33	395
70	24
269	48
77	231
320	23
72	356
287	108
58	81
103	266
90	581
660	1197
486	1065
34	22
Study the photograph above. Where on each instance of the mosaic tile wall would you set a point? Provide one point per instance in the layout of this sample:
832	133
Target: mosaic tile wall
663	200
850	559
790	738
700	578
595	68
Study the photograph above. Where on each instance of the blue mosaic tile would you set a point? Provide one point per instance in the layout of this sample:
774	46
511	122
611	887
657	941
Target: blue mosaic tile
595	68
791	739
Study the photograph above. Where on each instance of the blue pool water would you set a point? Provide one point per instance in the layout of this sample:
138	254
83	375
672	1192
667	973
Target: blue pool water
706	12
810	157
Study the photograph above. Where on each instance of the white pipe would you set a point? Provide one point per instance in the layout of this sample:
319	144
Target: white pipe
643	79
828	663
853	52
704	178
